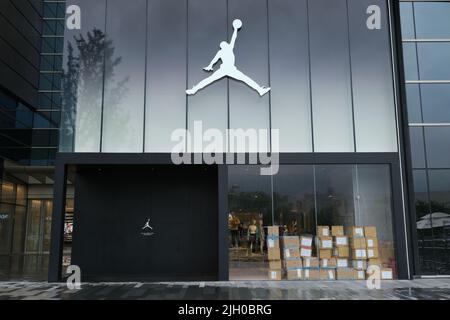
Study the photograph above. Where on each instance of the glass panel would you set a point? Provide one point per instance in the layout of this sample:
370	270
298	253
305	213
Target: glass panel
433	61
334	195
330	74
373	101
48	207
247	109
374	207
440	218
8	192
19	230
289	74
166	74
407	20
83	80
34	225
6	228
250	211
413	103
410	61
425	241
437	142
436	102
293	197
123	112
207	27
432	20
417	147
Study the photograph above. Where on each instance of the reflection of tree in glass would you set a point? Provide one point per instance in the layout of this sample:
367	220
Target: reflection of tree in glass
83	86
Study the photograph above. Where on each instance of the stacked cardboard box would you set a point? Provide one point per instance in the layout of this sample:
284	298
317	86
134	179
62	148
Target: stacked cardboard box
292	263
358	248
273	253
306	243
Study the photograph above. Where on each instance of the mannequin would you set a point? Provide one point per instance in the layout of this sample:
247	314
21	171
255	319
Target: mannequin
233	226
253	235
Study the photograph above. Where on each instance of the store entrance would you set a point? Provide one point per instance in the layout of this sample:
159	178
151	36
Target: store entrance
146	223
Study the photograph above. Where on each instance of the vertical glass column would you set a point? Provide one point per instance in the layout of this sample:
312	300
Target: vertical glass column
373	93
330	76
123	103
247	109
289	74
207	28
83	67
165	109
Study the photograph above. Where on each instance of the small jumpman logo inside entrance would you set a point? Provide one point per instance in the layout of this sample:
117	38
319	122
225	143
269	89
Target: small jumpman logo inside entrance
227	68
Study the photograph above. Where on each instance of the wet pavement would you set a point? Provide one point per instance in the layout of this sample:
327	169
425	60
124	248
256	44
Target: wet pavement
423	289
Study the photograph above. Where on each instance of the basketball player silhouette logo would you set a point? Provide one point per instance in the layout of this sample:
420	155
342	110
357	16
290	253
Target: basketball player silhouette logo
227	68
147	225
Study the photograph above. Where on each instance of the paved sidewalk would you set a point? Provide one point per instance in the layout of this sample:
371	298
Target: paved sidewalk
436	289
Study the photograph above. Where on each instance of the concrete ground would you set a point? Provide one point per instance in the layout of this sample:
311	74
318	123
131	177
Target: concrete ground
435	289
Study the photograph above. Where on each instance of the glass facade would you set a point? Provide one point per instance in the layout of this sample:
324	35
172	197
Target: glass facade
124	87
426	43
298	200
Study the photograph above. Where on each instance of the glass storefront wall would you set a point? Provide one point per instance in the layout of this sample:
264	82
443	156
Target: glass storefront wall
426	43
298	200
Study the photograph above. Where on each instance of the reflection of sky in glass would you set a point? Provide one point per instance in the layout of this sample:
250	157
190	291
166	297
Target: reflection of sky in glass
124	104
172	68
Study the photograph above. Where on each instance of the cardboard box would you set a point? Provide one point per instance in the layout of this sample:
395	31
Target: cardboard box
275	274
323	231
325	253
358	254
342	252
370	232
305	252
311	274
359	264
342	263
273	242
273	254
325	242
355	232
358	243
306	241
341	241
360	275
275	265
337	231
293	263
291	253
372	253
328	263
294	274
327	274
371	242
387	274
273	231
374	262
310	263
290	242
345	274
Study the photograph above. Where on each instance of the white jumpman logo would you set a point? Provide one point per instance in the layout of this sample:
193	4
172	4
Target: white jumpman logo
227	68
147	225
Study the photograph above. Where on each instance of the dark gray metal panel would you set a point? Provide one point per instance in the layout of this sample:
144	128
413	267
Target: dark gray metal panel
289	74
330	76
58	217
373	87
247	108
166	73
207	28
